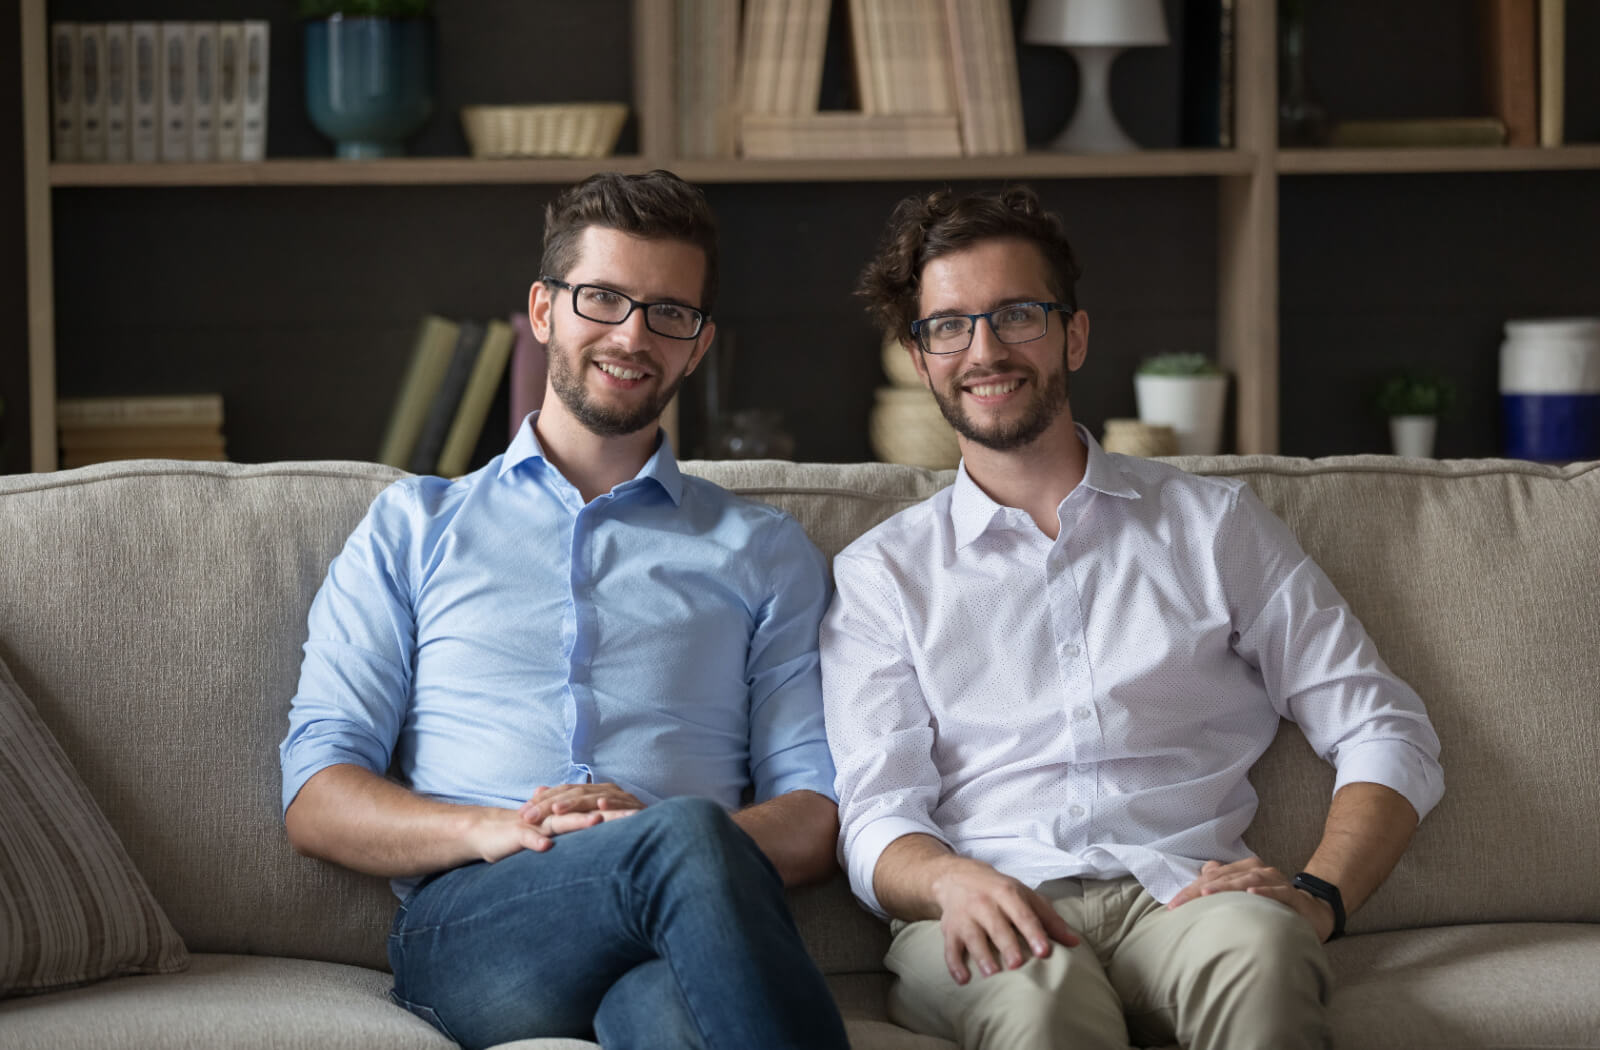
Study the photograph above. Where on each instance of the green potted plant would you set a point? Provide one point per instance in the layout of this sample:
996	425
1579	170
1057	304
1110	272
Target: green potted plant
1413	404
1186	392
369	68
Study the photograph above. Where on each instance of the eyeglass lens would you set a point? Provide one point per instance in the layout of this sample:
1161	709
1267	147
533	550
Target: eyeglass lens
1018	323
609	307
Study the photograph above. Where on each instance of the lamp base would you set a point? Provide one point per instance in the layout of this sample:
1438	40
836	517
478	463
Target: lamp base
1094	128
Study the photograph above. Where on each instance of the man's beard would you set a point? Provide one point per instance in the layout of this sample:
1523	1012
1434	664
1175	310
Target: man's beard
1049	398
568	372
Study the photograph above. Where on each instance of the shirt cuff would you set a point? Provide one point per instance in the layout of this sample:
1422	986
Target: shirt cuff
808	767
1396	764
868	844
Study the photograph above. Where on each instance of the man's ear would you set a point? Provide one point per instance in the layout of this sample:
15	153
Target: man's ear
1077	340
702	343
917	360
540	303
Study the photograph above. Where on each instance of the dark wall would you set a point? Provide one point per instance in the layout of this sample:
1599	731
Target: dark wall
13	262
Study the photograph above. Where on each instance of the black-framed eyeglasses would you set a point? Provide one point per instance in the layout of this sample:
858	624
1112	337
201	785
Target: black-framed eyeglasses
1011	323
596	302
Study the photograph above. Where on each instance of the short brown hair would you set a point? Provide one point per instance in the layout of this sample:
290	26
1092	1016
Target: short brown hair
658	205
923	228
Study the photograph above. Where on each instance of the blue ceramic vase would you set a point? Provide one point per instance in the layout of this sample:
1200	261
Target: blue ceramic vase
369	81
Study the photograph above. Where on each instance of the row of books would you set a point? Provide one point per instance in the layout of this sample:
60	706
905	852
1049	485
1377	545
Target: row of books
444	399
931	78
152	92
102	429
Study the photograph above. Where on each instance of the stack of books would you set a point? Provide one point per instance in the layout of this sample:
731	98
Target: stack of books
444	398
932	78
145	92
101	429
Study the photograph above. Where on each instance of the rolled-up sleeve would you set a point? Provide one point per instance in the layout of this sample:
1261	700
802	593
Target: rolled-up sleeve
355	677
1319	665
879	725
788	744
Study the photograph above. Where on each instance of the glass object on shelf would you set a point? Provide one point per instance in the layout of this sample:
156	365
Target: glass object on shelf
369	81
751	433
1301	119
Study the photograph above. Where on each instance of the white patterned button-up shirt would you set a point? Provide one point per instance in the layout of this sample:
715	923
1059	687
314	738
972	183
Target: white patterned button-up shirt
1090	706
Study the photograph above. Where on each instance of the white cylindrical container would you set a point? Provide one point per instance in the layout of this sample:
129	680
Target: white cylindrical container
1190	405
1550	388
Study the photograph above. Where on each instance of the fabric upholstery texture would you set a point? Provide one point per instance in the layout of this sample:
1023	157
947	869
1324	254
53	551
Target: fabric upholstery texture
153	613
73	908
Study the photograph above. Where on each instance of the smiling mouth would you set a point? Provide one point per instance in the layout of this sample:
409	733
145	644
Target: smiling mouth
619	371
994	389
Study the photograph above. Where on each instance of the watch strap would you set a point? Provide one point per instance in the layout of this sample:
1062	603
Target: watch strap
1324	891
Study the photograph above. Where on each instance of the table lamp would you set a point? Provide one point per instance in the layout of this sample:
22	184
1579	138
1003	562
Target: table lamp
1095	32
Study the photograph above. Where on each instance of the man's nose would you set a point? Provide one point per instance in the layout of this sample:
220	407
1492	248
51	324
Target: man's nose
985	347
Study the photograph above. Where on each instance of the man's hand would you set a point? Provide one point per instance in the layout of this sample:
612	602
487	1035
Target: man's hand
983	913
1252	875
595	802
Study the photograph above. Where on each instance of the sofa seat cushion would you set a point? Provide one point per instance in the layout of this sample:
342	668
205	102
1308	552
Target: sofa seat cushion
242	1002
1500	985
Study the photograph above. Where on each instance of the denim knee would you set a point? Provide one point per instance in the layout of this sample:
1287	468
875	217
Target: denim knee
702	837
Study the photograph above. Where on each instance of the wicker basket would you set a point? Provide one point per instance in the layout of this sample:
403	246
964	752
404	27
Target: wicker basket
907	427
577	129
897	365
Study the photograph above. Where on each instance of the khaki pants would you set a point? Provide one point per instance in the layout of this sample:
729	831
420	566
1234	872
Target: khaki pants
1227	972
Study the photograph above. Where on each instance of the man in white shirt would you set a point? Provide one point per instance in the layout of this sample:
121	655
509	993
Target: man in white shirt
1045	686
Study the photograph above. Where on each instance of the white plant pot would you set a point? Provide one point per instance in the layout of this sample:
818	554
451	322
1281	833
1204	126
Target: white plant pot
1413	435
1190	405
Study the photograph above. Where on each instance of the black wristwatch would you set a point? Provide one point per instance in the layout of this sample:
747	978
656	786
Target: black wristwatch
1324	891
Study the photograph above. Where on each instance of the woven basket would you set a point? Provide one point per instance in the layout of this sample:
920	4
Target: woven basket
907	427
897	365
577	129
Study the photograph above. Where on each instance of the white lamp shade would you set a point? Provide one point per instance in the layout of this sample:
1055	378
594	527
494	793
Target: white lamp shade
1096	23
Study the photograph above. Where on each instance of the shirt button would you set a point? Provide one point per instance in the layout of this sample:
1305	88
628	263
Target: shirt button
1081	714
1069	650
1075	811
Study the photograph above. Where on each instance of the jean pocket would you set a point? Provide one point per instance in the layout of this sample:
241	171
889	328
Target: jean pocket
427	1013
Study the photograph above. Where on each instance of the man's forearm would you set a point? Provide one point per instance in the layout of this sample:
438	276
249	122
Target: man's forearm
903	880
797	831
353	817
1369	826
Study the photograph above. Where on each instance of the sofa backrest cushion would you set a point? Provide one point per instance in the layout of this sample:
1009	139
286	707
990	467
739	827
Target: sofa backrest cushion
155	612
1480	583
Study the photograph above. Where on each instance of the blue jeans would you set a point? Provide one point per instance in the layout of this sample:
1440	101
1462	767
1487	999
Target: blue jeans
665	929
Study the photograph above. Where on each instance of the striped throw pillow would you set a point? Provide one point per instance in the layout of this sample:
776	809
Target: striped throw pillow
72	907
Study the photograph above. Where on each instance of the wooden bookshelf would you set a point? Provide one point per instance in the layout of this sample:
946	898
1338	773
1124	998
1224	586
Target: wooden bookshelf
1248	181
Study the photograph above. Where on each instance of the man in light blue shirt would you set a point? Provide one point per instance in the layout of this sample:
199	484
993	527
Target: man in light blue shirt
577	662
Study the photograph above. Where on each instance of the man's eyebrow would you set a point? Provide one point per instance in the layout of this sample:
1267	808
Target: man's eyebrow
994	305
612	286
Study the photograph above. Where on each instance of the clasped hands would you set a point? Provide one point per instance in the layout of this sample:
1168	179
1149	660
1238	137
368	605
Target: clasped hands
552	811
984	914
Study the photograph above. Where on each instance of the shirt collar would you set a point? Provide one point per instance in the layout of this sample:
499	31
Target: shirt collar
972	511
661	467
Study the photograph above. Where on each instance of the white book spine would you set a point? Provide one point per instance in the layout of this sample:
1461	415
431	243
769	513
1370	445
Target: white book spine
67	77
175	67
230	81
92	92
203	91
118	84
144	95
253	119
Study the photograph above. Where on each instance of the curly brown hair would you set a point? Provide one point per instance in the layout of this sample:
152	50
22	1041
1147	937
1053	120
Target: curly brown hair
657	204
923	228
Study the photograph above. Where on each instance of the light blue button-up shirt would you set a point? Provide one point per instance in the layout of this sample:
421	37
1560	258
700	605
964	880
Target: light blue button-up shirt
484	636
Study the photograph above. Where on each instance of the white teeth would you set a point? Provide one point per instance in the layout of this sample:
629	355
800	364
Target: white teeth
620	372
995	389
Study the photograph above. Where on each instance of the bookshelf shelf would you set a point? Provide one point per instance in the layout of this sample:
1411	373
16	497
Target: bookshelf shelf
416	171
1400	161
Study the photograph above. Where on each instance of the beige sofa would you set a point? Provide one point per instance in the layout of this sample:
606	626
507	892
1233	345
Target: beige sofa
154	611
